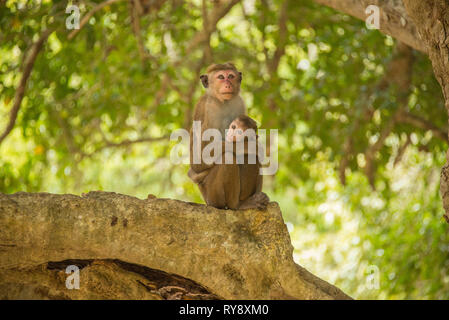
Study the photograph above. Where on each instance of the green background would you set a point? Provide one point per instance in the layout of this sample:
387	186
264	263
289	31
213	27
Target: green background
98	112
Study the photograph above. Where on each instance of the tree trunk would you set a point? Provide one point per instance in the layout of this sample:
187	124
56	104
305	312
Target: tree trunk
129	248
432	19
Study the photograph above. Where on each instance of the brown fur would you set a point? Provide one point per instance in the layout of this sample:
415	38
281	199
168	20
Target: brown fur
221	184
250	179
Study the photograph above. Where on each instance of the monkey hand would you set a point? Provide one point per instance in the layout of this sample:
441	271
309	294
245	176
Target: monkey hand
197	177
248	147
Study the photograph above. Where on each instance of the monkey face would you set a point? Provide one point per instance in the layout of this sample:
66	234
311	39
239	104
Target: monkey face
237	132
225	84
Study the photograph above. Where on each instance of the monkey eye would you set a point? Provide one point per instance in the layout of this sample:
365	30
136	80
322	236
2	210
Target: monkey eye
221	77
231	76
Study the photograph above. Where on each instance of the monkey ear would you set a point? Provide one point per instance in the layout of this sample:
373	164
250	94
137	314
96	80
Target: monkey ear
204	80
240	77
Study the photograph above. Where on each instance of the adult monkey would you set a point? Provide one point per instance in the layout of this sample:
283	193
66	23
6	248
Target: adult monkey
220	183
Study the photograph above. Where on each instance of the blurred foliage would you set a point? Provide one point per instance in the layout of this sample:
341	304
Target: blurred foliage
94	103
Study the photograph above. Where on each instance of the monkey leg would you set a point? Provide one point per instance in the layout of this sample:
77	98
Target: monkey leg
259	200
252	181
221	187
249	180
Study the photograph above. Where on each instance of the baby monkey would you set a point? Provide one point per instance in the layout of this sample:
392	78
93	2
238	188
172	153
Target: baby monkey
250	179
242	127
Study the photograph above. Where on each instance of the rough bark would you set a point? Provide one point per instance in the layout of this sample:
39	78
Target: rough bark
432	19
147	249
394	19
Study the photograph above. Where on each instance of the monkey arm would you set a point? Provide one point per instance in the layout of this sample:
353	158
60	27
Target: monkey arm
242	147
237	148
198	167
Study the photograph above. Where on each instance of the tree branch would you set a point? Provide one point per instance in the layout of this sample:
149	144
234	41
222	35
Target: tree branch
124	143
89	15
206	26
283	33
401	151
370	153
394	19
400	74
20	91
136	11
414	120
128	142
217	13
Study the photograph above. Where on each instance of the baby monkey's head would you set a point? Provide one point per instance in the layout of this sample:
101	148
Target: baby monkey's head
241	127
